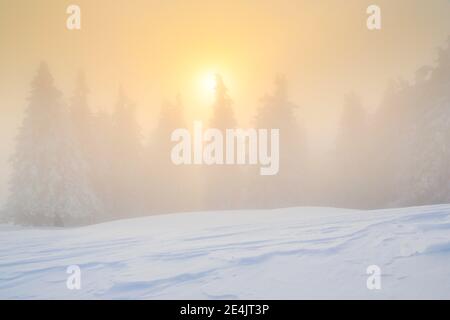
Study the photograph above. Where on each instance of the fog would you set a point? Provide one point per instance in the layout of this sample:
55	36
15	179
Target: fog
156	51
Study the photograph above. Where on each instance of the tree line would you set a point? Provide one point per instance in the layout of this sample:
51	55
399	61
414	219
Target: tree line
73	166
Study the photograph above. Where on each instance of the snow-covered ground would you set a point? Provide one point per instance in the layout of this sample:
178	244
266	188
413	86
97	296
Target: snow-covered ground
293	253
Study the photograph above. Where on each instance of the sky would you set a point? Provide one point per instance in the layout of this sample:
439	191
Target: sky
157	49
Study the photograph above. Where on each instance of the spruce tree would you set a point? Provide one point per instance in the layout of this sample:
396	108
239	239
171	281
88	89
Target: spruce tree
352	156
49	184
224	189
82	117
423	172
287	188
126	161
165	180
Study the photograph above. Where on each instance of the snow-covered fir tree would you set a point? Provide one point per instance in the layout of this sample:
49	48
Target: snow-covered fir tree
425	174
352	158
89	133
100	161
49	184
82	117
223	185
288	187
126	161
166	181
411	136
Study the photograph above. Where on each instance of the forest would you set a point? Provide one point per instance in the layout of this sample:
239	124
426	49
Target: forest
73	166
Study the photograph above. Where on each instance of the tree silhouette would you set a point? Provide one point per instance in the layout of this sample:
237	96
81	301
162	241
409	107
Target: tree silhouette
223	187
49	184
288	187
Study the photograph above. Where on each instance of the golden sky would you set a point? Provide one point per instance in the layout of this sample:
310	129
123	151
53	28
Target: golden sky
158	48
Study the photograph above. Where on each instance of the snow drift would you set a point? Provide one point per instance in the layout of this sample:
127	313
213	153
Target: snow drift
295	253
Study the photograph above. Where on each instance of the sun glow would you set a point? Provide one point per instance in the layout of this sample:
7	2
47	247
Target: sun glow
209	82
206	82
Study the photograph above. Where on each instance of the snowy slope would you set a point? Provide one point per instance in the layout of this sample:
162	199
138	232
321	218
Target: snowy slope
291	253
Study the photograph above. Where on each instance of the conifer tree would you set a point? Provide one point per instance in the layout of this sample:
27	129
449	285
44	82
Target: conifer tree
352	156
223	186
167	181
49	185
126	160
81	117
287	188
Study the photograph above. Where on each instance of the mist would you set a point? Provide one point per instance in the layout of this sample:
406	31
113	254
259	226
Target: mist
349	102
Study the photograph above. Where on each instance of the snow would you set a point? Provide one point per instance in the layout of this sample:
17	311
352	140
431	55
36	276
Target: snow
293	253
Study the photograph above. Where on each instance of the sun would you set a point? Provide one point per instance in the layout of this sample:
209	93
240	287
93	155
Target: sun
206	86
208	82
